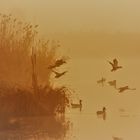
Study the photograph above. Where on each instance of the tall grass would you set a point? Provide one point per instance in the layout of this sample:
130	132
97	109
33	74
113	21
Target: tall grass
23	58
17	39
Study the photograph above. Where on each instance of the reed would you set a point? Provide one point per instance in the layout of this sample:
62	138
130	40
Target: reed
25	84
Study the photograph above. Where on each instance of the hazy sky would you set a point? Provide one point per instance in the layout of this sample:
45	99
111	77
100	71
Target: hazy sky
91	32
85	26
71	15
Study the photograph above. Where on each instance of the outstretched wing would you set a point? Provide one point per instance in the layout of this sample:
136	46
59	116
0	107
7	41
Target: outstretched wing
132	88
121	89
64	72
111	63
60	74
115	61
112	83
101	81
59	62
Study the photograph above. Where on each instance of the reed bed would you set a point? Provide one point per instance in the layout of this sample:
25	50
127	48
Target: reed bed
25	80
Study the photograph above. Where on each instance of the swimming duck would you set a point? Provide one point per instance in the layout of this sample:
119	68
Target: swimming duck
77	105
102	113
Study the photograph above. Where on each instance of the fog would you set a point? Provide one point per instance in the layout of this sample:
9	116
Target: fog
92	32
71	15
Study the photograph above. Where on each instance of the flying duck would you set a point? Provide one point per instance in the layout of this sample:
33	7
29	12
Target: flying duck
58	75
101	81
122	89
114	65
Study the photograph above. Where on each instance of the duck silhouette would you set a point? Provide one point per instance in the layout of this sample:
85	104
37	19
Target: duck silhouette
102	113
58	75
77	105
58	63
113	83
102	81
114	65
122	89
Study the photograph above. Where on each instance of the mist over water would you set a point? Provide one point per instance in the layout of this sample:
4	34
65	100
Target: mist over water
94	96
91	33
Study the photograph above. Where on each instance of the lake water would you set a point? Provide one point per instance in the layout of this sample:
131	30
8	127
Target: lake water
89	126
81	126
85	125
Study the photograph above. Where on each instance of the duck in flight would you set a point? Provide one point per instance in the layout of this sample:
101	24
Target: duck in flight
112	83
58	63
122	89
114	65
102	81
58	75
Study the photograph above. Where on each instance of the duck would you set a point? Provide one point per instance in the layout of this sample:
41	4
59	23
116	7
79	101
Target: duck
58	63
122	89
101	81
58	75
102	113
112	83
114	65
77	105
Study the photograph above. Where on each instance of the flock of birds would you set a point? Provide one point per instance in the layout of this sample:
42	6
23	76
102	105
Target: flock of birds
59	63
113	83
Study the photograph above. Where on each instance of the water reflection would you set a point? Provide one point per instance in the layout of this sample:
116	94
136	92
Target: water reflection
34	128
75	125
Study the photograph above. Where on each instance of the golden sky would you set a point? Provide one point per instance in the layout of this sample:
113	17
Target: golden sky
71	15
108	25
91	32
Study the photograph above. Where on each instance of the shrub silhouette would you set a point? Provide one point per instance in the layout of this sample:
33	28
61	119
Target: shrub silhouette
25	87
